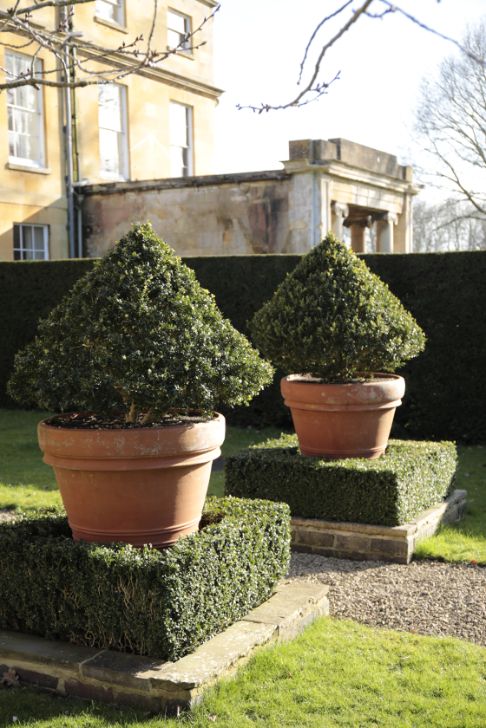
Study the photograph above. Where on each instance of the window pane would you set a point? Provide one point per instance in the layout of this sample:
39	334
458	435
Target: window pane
110	158
110	10
113	141
178	27
30	242
110	107
176	162
39	239
25	119
177	22
26	236
178	124
180	139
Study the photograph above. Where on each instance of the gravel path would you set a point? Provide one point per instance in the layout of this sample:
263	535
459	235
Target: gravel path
426	597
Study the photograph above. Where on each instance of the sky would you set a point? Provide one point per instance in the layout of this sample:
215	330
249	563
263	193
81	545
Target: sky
258	48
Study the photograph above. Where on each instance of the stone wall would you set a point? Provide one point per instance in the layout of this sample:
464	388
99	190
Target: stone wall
213	215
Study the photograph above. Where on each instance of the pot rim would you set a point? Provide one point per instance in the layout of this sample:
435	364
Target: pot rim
373	378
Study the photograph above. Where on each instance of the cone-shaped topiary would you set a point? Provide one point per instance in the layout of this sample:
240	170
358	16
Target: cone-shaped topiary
334	319
138	336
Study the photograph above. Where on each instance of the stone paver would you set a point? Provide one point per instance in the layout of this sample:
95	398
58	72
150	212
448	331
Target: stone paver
149	683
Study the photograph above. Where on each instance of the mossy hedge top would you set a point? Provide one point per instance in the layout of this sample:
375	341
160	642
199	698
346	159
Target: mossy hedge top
138	334
333	318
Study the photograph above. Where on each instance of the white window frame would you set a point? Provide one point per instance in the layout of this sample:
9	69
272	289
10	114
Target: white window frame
175	38
118	14
13	107
19	252
123	166
187	168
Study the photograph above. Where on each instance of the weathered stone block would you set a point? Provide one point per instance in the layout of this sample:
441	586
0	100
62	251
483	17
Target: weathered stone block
352	542
36	678
368	542
308	535
119	668
80	689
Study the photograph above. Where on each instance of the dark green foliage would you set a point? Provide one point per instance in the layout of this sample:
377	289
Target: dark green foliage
446	385
332	318
445	292
28	292
159	603
389	491
138	334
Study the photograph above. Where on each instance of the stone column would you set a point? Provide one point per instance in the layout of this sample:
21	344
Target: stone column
386	239
304	206
340	212
370	235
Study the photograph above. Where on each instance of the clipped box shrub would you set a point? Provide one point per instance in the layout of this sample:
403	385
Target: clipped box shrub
334	319
158	603
390	491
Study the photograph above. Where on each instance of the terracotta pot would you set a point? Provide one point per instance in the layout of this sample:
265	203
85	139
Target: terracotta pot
140	485
343	420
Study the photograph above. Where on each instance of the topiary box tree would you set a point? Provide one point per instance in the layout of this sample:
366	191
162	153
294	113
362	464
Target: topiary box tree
341	332
136	358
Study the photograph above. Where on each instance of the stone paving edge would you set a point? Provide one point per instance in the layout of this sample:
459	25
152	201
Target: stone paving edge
148	683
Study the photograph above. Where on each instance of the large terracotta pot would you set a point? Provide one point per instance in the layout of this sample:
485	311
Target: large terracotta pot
343	420
140	485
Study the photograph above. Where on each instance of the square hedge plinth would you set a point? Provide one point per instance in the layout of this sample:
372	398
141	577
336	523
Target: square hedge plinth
389	491
148	602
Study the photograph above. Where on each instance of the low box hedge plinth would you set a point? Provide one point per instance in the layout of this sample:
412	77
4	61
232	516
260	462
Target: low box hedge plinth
149	602
389	491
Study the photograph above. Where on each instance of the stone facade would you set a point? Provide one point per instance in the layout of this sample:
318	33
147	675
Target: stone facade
363	195
35	193
212	215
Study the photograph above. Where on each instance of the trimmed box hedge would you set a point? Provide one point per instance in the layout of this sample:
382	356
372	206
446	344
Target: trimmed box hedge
389	491
158	603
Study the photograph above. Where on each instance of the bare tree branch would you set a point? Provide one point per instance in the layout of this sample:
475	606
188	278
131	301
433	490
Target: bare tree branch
90	63
449	225
314	88
451	122
315	32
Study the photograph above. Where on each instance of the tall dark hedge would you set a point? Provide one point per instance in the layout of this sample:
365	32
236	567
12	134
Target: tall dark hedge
445	292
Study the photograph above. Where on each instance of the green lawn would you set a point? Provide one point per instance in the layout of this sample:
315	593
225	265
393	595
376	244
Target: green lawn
465	541
337	673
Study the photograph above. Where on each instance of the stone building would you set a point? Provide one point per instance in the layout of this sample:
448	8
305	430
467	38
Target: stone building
361	194
155	123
